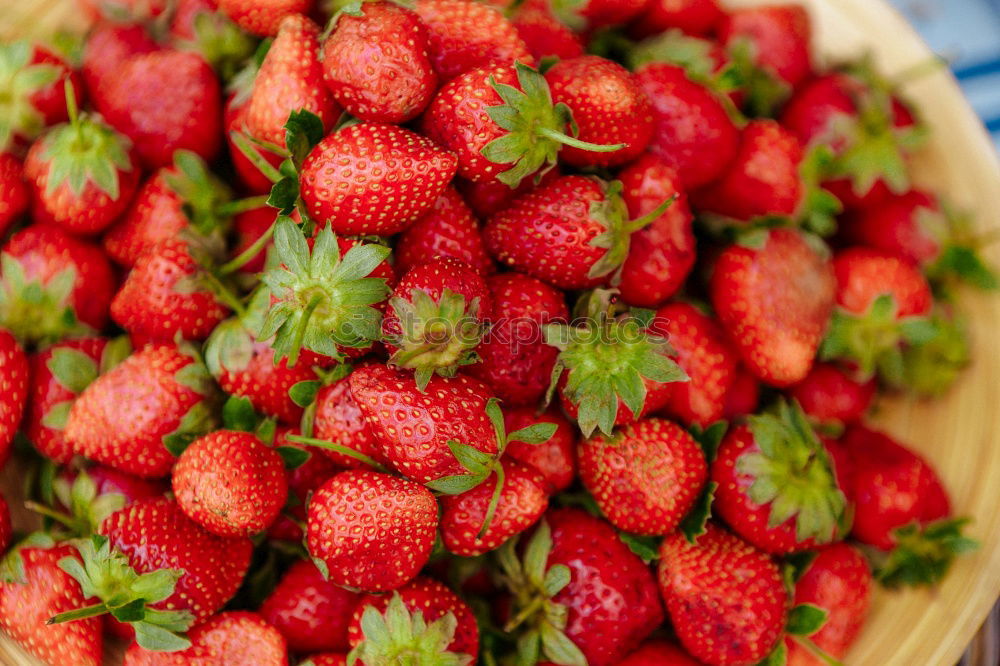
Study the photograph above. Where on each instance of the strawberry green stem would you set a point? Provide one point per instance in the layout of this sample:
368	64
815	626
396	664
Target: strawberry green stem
224	294
58	516
567	140
242	206
339	448
72	110
249	150
815	650
641	222
491	510
300	333
528	611
241	260
79	614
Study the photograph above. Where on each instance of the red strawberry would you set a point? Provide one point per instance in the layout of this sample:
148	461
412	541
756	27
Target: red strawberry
238	637
704	353
776	484
838	582
372	178
131	417
162	297
658	653
449	229
661	255
693	133
646	477
883	301
132	102
424	596
463	35
555	458
109	481
230	483
35	79
263	17
58	375
311	612
743	395
543	33
14	380
774	301
436	318
14	192
779	37
371	531
81	175
694	17
727	600
531	128
902	506
108	47
763	179
377	64
303	480
601	611
34	588
514	359
608	108
831	395
53	285
488	197
522	501
593	14
339	419
290	79
413	427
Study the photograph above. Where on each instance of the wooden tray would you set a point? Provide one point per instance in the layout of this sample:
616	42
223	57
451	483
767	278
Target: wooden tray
960	434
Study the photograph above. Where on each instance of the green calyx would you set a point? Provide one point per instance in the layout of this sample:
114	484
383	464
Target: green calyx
85	151
930	368
535	128
86	508
436	336
37	312
538	622
204	196
819	208
612	214
923	553
960	259
126	595
608	358
793	473
203	416
324	300
675	47
19	80
399	636
220	42
764	91
873	340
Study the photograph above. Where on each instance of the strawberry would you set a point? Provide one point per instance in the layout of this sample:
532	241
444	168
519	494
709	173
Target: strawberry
81	174
693	133
436	318
593	14
371	531
694	17
743	395
140	414
53	285
33	588
608	108
14	192
523	498
108	47
839	582
514	360
238	637
490	196
658	652
542	32
35	79
555	458
774	299
776	484
501	122
708	358
58	375
413	427
198	26
600	602
831	395
463	35
646	477
230	483
902	509
340	420
372	178
263	17
311	612
131	101
779	37
163	296
108	481
394	80
727	600
449	229
290	79
386	625
883	301
303	480
571	233
14	371
662	254
6	530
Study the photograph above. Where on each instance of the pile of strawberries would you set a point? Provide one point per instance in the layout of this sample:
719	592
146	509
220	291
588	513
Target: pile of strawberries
462	332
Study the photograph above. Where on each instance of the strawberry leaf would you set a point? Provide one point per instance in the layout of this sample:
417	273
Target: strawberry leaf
293	456
646	547
304	393
805	620
238	414
694	523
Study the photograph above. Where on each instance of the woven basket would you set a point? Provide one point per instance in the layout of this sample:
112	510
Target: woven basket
959	433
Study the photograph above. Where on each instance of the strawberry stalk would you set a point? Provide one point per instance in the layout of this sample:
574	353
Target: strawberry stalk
241	260
248	147
339	448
